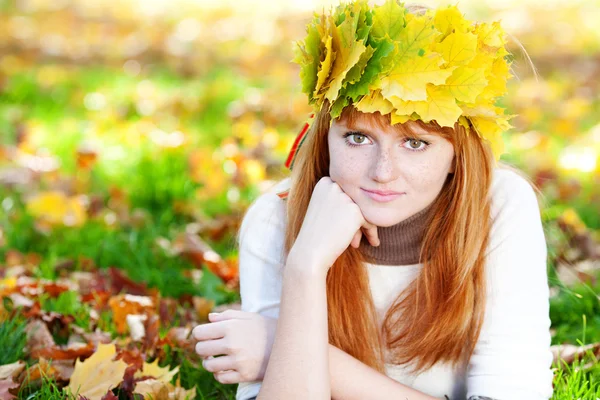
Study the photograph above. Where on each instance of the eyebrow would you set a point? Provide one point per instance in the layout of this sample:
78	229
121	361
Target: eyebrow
364	129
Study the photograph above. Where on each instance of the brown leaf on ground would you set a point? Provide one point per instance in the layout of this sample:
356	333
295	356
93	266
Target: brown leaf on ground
110	396
124	304
97	337
64	369
200	253
180	337
151	327
203	306
97	299
5	386
168	310
11	370
76	350
569	352
34	374
121	283
38	336
133	357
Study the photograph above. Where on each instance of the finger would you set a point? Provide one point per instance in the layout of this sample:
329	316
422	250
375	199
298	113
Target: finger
219	364
207	348
208	332
228	314
356	239
370	231
228	377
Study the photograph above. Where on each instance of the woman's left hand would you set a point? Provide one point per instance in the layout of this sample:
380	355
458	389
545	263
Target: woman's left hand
244	338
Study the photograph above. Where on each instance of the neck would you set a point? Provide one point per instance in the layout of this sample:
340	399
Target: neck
400	244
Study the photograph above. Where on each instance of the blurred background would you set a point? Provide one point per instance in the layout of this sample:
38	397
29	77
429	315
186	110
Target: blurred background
134	134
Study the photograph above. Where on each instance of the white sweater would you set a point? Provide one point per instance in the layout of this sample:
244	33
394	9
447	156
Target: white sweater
512	358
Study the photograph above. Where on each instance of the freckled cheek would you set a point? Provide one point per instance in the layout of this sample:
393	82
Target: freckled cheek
422	176
346	170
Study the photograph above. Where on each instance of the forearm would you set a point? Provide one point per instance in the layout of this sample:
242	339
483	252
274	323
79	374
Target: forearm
298	367
354	380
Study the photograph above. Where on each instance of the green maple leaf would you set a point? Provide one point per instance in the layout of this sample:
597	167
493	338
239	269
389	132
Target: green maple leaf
365	23
348	51
356	72
383	48
308	57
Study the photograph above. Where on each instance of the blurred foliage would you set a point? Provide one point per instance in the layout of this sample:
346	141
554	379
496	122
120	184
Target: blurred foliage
135	134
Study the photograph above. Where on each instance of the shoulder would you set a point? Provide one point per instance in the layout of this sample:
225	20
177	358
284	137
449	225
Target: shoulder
509	190
515	208
267	212
510	184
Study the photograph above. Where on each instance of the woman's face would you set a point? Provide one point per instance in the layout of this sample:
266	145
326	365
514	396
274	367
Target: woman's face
365	158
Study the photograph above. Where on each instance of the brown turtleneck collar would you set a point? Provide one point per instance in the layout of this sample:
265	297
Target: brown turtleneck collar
400	244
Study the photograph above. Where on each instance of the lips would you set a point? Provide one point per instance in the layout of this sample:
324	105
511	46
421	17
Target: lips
382	192
382	198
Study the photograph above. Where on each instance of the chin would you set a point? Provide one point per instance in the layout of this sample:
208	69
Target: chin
383	218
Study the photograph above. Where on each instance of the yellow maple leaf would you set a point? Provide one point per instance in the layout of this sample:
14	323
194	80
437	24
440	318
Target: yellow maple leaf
490	34
491	130
403	107
399	119
158	390
96	375
482	110
465	84
325	67
450	18
162	374
458	48
441	107
408	79
497	77
416	36
56	208
374	102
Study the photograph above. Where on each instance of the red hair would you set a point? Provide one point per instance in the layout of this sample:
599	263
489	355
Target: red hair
440	314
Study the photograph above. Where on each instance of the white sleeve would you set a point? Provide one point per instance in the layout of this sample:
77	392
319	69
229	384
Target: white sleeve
512	358
261	260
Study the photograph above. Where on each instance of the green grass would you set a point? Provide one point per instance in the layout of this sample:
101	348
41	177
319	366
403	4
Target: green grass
12	340
68	303
576	382
572	306
131	249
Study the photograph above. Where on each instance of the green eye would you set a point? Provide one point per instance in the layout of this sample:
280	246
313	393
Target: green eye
414	143
362	138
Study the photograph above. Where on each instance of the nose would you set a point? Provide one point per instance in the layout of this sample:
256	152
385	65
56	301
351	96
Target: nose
386	166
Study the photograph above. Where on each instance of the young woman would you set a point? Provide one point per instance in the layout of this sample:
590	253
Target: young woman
400	260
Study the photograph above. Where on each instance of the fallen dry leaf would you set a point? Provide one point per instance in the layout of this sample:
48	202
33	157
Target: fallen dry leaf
159	390
569	352
5	386
11	370
124	305
153	370
93	377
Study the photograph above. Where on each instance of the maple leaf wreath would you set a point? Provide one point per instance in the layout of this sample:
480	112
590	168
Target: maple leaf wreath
432	66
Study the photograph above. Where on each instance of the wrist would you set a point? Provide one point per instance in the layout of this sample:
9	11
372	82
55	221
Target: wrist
302	265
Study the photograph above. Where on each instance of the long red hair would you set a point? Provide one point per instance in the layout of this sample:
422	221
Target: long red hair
439	315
